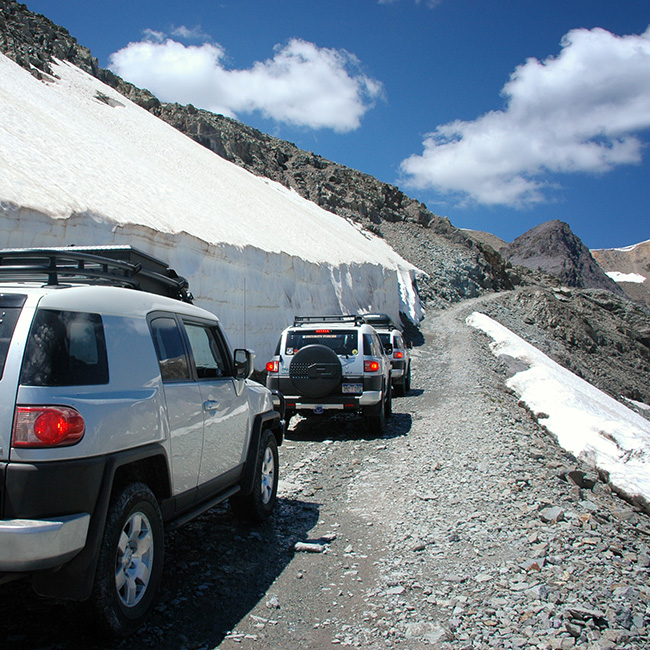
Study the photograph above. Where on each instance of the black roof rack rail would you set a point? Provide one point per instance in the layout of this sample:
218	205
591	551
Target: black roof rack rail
122	266
345	318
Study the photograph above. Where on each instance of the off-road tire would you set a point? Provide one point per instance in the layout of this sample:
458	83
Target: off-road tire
375	417
130	561
388	401
258	505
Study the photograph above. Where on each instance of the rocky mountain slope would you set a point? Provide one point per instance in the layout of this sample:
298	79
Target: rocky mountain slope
554	248
457	267
633	262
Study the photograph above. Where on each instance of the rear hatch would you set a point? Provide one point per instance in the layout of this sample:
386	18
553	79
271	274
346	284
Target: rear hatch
11	306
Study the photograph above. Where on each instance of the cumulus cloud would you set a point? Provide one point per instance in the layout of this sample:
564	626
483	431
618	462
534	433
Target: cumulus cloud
301	84
582	111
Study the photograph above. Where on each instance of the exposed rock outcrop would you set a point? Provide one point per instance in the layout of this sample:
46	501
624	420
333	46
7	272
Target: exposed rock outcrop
554	248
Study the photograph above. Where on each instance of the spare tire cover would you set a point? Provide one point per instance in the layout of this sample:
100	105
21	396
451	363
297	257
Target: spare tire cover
315	371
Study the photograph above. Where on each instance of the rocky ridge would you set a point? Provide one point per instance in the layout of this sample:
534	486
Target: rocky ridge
459	264
553	247
456	266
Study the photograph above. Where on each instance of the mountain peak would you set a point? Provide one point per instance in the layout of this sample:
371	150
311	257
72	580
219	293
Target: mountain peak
553	247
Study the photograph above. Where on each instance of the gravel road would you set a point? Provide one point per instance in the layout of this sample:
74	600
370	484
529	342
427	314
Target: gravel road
465	526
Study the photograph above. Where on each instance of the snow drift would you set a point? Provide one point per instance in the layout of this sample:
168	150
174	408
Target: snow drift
588	423
80	164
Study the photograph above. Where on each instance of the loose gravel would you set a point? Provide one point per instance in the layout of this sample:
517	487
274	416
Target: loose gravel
464	526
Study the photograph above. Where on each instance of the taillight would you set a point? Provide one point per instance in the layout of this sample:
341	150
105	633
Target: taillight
370	366
47	426
273	366
398	354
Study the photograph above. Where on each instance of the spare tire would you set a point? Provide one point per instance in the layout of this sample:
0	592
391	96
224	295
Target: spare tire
315	371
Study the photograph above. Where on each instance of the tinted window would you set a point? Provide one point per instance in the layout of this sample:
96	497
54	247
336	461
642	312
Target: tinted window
371	346
10	307
343	342
208	356
169	348
65	348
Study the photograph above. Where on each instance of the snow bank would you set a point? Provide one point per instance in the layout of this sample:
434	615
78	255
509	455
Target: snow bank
625	249
80	164
617	276
587	422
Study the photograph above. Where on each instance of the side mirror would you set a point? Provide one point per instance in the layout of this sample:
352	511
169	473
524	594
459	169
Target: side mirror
244	363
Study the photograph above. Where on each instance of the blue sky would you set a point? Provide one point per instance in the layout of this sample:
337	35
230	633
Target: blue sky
498	114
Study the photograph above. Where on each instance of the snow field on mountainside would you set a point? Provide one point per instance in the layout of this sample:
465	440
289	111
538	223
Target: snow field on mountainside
80	164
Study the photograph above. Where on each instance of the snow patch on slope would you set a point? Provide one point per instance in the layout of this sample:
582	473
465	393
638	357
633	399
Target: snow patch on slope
80	164
617	276
587	422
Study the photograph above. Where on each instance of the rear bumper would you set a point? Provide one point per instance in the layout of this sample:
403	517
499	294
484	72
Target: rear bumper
337	403
36	544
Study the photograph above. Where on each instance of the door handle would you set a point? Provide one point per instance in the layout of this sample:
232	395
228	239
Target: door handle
210	405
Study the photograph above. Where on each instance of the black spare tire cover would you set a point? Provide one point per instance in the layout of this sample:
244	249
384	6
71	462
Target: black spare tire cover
315	371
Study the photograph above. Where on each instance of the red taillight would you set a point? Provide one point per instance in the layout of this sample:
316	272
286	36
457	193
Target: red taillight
370	366
47	426
398	354
273	366
323	331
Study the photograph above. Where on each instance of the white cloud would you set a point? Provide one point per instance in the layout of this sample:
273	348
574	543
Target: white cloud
581	111
302	84
193	33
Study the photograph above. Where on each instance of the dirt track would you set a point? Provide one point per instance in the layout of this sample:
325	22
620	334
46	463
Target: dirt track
433	535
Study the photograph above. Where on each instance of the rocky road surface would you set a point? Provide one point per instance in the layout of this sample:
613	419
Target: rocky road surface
465	526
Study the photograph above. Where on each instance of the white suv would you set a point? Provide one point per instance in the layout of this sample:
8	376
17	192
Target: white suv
122	412
327	364
391	336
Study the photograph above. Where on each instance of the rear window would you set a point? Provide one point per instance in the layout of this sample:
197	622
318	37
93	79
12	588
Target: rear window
10	308
343	342
65	348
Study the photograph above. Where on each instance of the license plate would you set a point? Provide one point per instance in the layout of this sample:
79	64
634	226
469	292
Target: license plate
352	388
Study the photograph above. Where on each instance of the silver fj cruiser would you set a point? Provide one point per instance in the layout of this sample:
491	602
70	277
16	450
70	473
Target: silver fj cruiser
123	412
329	364
400	358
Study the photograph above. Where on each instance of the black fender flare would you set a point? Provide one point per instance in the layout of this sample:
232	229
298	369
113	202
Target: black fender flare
74	580
268	420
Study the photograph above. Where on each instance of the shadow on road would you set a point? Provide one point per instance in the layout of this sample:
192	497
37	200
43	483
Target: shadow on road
216	571
345	427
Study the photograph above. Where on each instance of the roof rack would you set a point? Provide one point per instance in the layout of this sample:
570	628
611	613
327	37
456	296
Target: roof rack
122	266
347	318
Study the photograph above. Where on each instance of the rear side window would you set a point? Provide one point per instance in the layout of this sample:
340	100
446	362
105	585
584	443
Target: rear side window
371	346
170	350
65	348
209	358
10	308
